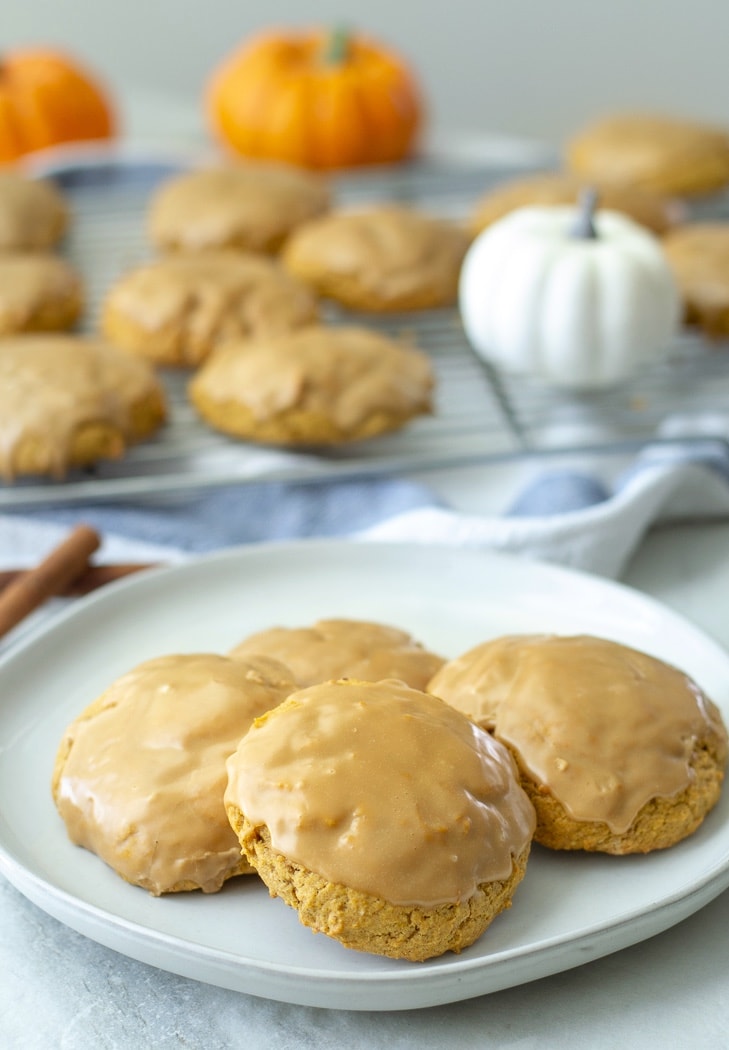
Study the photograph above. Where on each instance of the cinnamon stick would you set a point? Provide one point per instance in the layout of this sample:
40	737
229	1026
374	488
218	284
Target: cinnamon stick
90	578
49	578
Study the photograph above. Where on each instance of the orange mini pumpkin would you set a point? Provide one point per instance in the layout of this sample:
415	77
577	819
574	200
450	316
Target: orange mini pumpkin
46	99
316	98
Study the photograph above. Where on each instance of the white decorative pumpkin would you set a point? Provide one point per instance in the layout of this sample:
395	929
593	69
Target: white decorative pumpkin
577	297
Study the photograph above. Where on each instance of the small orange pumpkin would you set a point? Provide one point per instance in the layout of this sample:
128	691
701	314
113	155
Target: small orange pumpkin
46	99
316	98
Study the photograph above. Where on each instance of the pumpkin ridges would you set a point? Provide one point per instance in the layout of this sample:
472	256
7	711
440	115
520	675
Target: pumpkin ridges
288	112
594	317
239	116
365	109
47	99
392	103
373	120
14	125
337	129
35	130
399	118
79	103
240	94
387	98
86	110
11	145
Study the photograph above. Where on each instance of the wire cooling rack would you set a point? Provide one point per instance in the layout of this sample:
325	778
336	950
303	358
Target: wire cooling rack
481	416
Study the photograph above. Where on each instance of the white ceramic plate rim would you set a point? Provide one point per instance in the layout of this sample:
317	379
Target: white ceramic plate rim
458	577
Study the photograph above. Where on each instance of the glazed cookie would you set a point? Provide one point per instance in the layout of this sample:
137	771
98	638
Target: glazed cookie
652	210
33	213
698	254
332	649
676	157
316	386
176	309
67	401
140	774
419	845
38	293
619	751
378	259
249	206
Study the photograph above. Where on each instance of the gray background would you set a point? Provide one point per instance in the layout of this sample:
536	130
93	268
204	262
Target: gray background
535	68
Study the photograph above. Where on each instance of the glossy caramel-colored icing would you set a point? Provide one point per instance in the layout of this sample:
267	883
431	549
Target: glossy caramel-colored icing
653	152
653	210
246	205
53	385
38	291
140	774
602	727
345	373
698	254
194	301
383	789
33	213
340	648
387	257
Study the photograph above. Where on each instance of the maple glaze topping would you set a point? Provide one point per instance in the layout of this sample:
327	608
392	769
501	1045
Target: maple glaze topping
214	295
33	213
345	649
245	205
143	777
604	727
51	385
30	281
393	250
347	373
384	789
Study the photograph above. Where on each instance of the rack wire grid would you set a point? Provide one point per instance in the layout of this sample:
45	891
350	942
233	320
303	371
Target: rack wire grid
481	416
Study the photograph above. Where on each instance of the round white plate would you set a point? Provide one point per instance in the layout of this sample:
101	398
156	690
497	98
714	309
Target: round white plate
569	909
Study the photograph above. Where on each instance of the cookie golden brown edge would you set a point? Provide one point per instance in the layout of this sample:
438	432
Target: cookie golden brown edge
175	310
344	648
139	775
251	206
652	151
320	385
384	817
69	401
381	259
620	752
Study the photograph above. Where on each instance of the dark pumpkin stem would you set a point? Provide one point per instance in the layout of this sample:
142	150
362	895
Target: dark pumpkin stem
584	227
336	46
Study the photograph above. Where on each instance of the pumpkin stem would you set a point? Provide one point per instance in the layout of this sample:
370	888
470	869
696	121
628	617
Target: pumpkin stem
584	226
336	46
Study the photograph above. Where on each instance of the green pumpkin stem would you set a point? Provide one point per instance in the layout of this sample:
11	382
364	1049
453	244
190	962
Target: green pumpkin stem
584	226
336	46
